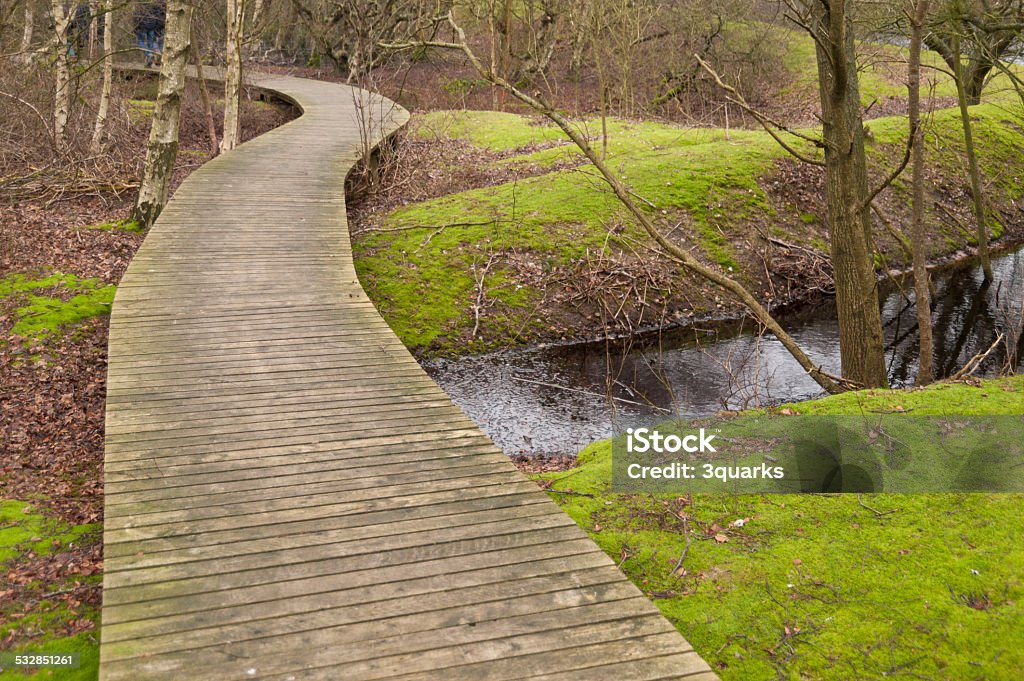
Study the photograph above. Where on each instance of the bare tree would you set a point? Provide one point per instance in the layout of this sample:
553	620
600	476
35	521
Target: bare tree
61	17
103	111
678	254
28	32
233	74
973	172
861	343
917	10
350	32
983	30
163	135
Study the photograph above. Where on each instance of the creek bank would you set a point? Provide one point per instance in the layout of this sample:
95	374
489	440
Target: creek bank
547	255
552	401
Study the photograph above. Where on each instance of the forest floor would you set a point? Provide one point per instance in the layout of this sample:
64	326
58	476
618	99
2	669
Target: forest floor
62	256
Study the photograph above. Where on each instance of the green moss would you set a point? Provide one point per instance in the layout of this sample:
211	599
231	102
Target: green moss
708	181
140	109
22	529
126	225
492	130
827	587
45	312
87	647
996	397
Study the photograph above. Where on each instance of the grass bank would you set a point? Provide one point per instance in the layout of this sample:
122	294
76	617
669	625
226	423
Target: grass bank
538	249
827	586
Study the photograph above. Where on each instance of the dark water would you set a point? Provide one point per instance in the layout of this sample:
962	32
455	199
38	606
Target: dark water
557	399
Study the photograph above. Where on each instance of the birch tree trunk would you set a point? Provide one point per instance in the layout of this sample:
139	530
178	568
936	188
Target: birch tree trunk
163	135
861	343
62	74
94	28
100	129
25	52
233	74
918	236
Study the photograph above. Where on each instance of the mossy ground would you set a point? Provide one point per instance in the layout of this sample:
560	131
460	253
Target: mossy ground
55	302
713	190
27	534
38	554
126	225
827	586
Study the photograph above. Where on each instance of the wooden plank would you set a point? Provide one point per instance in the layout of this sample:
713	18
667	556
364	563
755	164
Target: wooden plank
288	495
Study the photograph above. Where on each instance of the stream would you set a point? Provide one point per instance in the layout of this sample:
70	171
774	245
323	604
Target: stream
556	399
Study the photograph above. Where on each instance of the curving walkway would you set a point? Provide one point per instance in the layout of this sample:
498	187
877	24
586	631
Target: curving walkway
288	496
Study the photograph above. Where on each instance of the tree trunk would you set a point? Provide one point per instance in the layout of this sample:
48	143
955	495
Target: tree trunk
861	343
94	13
582	24
975	84
100	130
918	237
233	74
163	135
26	36
674	251
972	161
62	74
204	94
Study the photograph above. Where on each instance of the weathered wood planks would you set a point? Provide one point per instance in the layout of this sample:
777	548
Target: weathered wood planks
288	496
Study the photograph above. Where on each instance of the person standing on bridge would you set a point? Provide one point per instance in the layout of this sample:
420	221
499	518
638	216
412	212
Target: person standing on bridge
149	29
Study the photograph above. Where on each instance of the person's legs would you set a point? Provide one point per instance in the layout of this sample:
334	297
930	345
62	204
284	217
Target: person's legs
142	40
158	44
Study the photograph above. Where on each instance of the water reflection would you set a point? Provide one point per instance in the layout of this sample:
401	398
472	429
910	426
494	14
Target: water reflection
558	399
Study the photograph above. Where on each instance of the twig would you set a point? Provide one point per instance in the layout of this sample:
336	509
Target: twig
478	306
686	549
892	176
569	492
874	510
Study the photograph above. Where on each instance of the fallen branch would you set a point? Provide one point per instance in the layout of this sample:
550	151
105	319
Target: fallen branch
478	306
587	392
686	549
975	362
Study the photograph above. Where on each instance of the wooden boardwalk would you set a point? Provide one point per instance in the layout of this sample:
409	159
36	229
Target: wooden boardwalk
288	496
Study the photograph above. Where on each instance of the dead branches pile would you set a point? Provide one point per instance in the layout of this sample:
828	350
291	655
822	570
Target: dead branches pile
802	269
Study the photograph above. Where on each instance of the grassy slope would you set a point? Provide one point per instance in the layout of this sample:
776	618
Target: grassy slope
423	281
829	587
